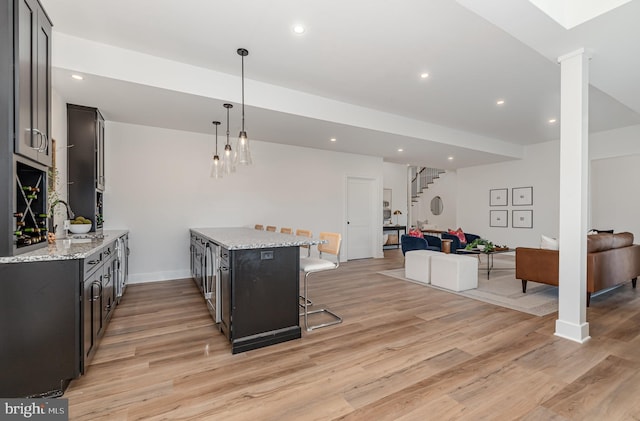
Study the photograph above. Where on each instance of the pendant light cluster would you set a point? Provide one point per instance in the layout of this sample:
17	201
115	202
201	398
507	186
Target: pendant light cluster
242	154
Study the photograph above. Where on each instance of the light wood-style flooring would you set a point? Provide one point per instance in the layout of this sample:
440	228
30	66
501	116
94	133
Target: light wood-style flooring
403	352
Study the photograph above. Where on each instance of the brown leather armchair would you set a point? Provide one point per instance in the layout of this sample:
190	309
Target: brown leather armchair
612	259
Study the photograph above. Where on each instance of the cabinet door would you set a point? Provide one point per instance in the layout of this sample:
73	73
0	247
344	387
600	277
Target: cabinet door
92	317
42	99
87	322
100	182
26	141
225	294
33	83
107	290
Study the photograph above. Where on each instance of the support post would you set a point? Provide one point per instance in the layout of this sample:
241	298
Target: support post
574	176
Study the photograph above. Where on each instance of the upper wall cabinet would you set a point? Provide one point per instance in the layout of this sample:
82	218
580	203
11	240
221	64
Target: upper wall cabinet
32	66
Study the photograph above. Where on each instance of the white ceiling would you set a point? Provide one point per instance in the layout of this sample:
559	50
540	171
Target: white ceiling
358	66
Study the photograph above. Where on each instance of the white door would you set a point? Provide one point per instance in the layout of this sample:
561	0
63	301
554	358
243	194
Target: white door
359	218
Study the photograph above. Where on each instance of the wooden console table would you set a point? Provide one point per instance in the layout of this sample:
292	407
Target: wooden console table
397	229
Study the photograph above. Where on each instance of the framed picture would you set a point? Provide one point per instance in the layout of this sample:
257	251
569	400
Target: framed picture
499	218
522	219
498	197
522	196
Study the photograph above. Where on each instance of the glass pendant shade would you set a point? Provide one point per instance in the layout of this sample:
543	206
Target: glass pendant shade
217	167
243	154
227	155
227	160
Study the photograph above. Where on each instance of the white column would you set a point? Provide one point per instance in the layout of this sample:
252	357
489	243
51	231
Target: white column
574	176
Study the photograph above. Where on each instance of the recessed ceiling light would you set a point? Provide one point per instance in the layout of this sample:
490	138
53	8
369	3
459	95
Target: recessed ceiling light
400	150
500	102
552	120
77	77
299	29
450	158
333	139
424	75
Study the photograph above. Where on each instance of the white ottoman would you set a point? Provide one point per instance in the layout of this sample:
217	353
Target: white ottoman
417	265
454	272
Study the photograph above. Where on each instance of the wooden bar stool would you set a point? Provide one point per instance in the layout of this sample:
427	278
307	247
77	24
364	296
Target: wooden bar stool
271	228
286	230
259	227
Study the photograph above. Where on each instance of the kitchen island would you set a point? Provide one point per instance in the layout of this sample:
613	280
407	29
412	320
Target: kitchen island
250	281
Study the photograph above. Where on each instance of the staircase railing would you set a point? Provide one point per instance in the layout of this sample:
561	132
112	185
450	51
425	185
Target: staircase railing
421	179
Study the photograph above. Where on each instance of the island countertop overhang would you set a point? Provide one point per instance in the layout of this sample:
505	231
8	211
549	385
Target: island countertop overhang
243	238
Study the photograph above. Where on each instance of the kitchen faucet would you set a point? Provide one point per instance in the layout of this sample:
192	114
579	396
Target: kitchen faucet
70	214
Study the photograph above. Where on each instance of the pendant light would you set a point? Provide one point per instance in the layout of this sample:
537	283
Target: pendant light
243	154
227	156
216	165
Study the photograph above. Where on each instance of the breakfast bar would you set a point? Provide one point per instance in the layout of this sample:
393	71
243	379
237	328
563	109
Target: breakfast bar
250	282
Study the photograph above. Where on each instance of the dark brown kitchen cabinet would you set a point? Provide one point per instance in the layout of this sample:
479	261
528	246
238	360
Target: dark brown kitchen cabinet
32	43
25	117
52	317
85	163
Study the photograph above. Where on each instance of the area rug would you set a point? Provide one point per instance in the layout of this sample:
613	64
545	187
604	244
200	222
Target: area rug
502	289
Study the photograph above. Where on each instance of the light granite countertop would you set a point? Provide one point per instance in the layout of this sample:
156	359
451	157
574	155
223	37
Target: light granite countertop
249	238
65	249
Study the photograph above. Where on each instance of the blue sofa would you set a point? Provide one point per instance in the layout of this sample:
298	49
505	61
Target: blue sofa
455	241
429	242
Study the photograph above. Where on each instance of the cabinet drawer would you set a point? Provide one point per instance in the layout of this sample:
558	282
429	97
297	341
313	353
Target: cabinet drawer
93	262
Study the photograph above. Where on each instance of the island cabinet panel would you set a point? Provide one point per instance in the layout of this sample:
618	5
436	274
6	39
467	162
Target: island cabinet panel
260	296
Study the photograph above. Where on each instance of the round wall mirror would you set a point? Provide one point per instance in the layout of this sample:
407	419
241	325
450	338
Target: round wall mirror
436	205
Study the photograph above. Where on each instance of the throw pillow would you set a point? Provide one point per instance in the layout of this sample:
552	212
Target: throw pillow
548	243
458	233
416	233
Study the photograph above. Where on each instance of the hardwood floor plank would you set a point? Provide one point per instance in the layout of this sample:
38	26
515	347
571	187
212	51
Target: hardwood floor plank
595	386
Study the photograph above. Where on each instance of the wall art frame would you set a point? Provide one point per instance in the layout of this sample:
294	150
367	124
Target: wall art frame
499	218
498	197
522	218
522	196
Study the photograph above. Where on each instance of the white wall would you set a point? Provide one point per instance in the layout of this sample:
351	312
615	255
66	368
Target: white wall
59	133
540	168
615	158
615	200
158	186
447	188
613	143
395	178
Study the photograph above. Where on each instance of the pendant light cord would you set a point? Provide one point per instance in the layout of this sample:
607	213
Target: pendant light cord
242	93
227	125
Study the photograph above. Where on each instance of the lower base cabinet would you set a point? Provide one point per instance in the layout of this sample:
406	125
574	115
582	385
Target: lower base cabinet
39	336
52	316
